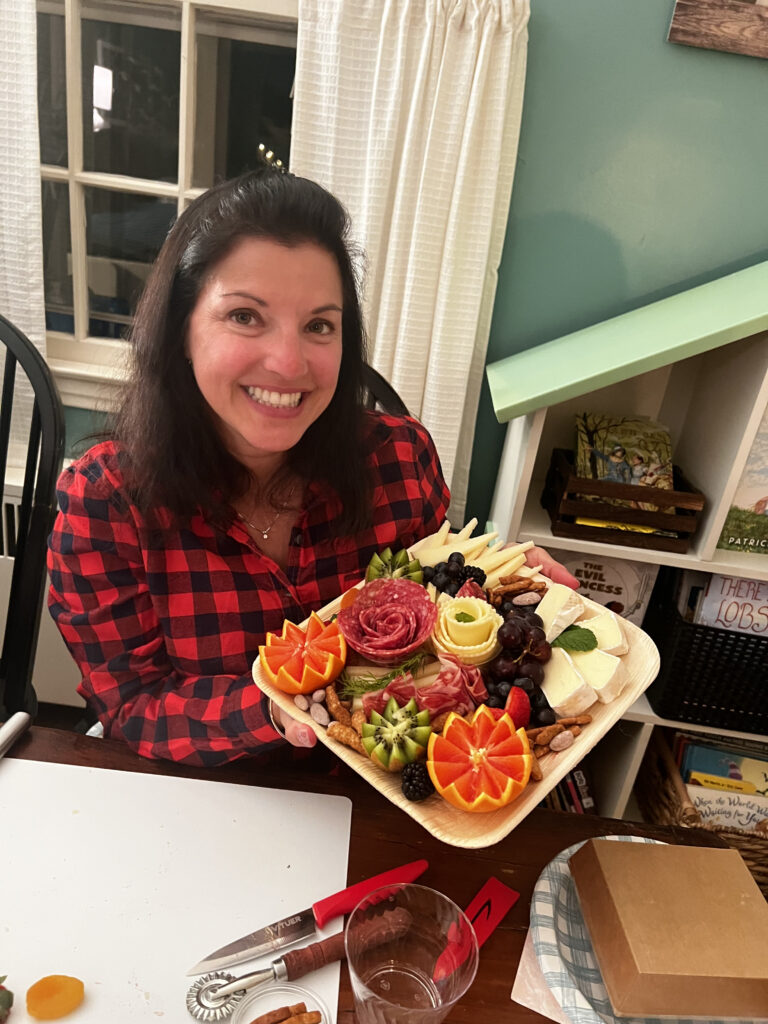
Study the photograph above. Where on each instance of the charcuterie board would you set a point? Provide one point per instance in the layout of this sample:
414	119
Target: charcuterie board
475	831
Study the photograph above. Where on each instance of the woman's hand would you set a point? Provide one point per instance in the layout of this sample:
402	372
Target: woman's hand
296	733
556	571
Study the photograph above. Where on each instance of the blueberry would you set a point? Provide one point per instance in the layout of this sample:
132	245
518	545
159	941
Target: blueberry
525	683
503	688
456	558
545	716
427	574
452	588
495	702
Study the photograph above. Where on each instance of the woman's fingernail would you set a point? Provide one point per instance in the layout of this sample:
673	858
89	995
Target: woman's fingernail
304	736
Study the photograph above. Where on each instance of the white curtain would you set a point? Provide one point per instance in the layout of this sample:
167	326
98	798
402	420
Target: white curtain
409	111
22	298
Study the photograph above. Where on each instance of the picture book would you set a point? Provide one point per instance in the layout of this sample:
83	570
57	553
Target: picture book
721	768
624	450
746	525
729	602
748	812
622	585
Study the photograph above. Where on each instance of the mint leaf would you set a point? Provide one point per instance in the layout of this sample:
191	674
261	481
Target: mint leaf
576	638
463	617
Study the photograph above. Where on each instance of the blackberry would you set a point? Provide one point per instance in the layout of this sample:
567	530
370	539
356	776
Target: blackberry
473	572
416	784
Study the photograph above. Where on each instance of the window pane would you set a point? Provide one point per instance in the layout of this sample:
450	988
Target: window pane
131	100
123	236
51	89
57	258
243	100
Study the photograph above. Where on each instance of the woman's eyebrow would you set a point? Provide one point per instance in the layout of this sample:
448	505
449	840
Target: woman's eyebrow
330	307
246	295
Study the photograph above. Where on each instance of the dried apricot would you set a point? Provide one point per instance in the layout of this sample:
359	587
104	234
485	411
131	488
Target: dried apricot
54	996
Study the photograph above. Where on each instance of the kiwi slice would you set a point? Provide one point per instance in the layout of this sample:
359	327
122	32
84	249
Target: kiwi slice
384	564
397	737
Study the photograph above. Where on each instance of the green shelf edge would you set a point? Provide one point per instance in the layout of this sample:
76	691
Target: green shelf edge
663	332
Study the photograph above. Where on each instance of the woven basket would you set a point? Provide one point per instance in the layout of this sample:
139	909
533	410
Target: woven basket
663	799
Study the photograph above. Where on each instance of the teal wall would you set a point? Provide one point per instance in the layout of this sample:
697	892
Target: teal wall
80	425
642	171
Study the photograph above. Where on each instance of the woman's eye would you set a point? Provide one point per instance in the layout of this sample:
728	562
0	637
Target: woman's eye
320	327
243	317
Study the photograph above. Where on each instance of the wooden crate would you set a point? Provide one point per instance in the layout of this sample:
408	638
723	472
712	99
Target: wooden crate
565	500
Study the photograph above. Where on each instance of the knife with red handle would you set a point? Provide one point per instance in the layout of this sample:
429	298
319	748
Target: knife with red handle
292	929
298	962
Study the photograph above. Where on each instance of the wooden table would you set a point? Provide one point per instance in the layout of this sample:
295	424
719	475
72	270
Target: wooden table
383	836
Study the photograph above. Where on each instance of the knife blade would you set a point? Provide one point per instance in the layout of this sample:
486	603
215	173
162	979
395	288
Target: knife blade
289	930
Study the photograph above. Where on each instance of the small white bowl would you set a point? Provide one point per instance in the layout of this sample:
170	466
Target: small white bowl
262	1000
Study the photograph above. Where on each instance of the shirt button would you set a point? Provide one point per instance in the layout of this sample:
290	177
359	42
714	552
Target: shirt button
298	538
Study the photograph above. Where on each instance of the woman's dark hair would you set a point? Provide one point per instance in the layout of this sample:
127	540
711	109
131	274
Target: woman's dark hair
175	457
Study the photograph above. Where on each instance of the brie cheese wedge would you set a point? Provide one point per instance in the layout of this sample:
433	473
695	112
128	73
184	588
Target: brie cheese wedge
560	607
605	673
607	629
564	686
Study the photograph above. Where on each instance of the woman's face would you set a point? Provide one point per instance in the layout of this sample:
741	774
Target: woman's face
264	339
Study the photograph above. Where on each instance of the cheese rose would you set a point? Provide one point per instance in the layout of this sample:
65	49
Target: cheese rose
466	627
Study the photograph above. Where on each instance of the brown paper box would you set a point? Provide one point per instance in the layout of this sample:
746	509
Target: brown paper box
678	931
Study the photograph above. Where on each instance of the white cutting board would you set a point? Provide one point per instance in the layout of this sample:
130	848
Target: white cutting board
126	880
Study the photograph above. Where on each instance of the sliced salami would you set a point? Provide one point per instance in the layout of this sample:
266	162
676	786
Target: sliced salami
389	620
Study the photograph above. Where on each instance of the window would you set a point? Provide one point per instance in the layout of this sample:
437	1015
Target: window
142	106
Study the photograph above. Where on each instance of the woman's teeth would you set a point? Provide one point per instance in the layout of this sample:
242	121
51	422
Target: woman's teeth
277	399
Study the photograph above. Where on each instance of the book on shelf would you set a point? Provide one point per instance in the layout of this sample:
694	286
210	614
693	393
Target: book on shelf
573	794
624	450
730	602
622	585
726	779
746	525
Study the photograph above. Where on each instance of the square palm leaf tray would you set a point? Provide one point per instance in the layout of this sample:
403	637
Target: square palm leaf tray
476	831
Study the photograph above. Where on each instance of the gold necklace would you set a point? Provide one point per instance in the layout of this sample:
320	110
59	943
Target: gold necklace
264	531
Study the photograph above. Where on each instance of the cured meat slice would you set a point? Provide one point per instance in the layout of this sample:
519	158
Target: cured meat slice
389	620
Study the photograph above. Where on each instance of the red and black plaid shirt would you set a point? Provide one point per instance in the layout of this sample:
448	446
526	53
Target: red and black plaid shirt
165	629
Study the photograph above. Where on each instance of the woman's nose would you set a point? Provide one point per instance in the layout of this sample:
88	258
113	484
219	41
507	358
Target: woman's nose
285	354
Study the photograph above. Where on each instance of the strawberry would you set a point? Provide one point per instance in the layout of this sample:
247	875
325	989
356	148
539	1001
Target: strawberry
518	707
6	1000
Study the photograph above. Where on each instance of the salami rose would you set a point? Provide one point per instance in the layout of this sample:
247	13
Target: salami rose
390	619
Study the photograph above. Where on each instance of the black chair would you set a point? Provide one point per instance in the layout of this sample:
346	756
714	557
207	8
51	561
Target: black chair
379	392
26	528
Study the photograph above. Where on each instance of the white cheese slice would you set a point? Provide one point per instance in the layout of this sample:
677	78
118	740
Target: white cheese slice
560	607
607	629
564	686
605	673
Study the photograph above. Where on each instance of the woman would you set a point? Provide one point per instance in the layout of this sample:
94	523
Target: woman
243	482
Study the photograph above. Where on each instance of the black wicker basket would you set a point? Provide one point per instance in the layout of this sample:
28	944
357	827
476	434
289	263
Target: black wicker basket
708	676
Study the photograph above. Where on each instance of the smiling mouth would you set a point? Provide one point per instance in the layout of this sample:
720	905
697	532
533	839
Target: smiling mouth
275	399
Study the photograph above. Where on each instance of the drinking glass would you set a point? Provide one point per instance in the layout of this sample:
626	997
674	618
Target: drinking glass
421	969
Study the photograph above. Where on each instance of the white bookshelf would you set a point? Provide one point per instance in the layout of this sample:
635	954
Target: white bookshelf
710	392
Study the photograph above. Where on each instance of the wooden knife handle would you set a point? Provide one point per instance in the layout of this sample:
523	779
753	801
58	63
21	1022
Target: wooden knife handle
390	925
311	958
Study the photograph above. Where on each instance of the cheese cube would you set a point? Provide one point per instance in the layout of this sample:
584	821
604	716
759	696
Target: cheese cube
607	629
605	673
564	686
560	607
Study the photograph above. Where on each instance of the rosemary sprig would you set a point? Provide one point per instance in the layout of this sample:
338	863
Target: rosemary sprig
356	686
